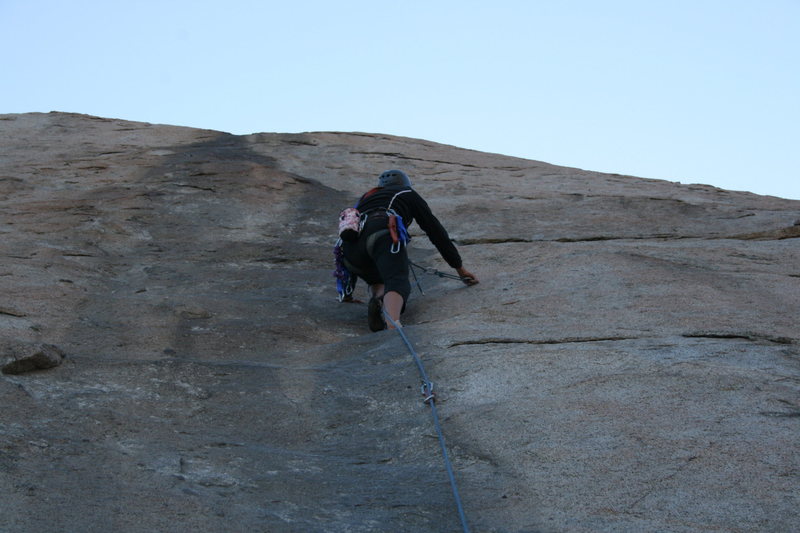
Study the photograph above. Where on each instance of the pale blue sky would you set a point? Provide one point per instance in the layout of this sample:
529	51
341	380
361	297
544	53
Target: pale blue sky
702	91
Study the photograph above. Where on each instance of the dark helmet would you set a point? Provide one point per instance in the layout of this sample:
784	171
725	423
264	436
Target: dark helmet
394	177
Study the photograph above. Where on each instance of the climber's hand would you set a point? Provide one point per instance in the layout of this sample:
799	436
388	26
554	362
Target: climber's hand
467	277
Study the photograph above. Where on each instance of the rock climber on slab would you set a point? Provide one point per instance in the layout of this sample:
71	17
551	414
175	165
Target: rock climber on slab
375	251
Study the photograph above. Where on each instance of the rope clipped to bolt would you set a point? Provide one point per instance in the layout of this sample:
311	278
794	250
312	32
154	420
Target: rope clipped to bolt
430	399
433	272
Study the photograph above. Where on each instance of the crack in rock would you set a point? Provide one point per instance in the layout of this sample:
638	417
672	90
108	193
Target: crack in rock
12	312
794	411
408	158
499	240
791	232
591	238
566	340
755	337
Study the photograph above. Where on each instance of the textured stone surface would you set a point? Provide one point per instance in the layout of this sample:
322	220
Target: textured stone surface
42	358
629	362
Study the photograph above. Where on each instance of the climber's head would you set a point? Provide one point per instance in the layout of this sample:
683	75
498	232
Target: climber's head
394	177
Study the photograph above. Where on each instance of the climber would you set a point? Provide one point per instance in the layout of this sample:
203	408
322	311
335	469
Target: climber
379	257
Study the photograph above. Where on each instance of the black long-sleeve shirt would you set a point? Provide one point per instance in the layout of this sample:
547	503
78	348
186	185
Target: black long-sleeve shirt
411	206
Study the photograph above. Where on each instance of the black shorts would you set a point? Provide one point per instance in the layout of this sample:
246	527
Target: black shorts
371	258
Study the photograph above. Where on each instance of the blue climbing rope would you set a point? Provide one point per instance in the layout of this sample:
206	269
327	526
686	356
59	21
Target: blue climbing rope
430	399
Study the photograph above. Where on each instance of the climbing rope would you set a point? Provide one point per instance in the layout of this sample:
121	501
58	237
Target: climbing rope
430	399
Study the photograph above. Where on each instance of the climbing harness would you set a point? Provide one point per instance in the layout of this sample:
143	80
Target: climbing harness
351	222
430	399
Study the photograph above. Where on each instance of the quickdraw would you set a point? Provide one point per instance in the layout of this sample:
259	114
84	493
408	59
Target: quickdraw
427	392
397	230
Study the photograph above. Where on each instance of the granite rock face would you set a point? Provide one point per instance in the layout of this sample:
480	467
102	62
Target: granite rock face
629	361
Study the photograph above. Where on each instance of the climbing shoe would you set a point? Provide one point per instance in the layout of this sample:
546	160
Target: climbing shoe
375	315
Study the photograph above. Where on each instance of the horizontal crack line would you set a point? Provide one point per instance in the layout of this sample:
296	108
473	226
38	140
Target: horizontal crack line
505	240
409	158
12	312
567	340
777	235
756	337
